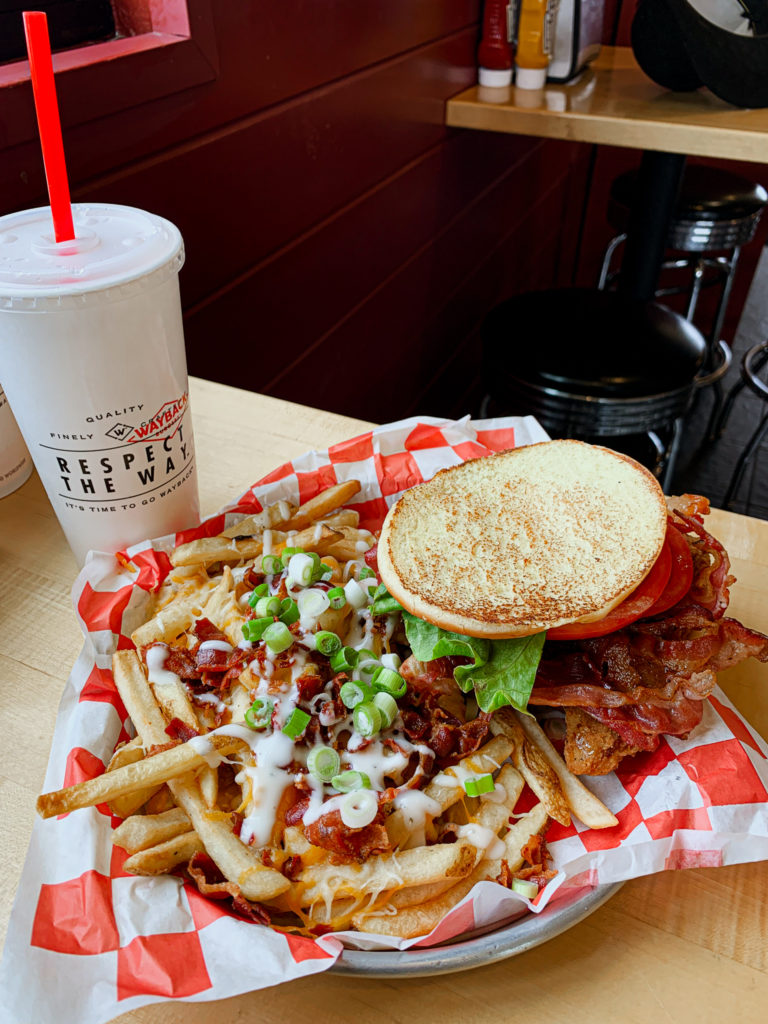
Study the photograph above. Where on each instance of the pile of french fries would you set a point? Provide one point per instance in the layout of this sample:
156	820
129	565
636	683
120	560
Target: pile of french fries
180	798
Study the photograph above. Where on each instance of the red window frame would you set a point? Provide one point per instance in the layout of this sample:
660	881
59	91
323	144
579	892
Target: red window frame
174	48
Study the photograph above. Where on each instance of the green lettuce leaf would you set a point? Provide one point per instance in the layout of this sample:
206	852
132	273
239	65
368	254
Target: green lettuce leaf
502	673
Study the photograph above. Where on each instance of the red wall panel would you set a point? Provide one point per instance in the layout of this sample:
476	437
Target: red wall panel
334	227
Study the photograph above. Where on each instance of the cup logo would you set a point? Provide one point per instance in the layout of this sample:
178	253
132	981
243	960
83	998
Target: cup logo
126	465
120	431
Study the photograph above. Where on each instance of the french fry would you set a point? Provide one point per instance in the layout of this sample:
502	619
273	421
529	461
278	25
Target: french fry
584	804
274	517
207	550
387	871
345	546
208	781
518	834
489	814
238	862
172	620
141	831
163	767
318	538
532	765
223	610
162	801
129	753
411	921
324	503
486	759
165	857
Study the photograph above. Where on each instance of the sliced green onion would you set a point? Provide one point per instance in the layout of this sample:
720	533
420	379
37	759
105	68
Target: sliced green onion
327	643
253	629
259	714
268	606
387	706
271	565
479	784
365	573
337	597
359	809
288	553
289	611
277	637
297	722
350	782
324	569
344	660
300	569
384	603
368	666
355	594
528	889
392	661
367	719
369	588
387	680
261	591
312	603
353	693
323	763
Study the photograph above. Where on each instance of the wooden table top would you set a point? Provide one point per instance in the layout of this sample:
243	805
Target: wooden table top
681	946
615	103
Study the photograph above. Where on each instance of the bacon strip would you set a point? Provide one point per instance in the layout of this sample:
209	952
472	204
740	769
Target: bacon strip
711	582
652	676
330	833
212	883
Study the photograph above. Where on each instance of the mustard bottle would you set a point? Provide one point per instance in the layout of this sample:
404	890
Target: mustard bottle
531	59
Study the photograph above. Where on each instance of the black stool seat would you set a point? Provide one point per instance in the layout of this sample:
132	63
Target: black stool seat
591	364
590	343
706	193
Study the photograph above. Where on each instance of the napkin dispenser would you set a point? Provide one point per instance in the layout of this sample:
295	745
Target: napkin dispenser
573	32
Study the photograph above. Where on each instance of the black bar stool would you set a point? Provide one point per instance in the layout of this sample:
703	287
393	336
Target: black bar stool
595	365
717	213
754	361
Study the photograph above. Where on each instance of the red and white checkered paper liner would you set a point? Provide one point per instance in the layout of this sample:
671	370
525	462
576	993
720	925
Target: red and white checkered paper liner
87	941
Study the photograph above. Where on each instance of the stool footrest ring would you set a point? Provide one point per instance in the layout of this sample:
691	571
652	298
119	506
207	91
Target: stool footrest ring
724	356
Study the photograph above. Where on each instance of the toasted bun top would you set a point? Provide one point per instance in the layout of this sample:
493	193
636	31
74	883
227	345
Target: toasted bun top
518	542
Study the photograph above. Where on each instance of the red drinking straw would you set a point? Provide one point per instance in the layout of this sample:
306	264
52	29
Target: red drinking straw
48	123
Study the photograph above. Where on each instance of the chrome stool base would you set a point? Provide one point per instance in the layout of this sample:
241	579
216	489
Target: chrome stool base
754	361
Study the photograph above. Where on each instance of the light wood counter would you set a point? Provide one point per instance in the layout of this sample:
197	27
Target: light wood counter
614	103
682	947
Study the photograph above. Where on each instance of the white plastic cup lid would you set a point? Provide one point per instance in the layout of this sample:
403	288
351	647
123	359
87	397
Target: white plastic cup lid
112	246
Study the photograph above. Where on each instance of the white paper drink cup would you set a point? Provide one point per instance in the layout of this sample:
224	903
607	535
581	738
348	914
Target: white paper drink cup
15	463
92	359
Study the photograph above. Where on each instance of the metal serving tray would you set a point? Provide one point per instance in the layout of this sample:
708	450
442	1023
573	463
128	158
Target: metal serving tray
487	947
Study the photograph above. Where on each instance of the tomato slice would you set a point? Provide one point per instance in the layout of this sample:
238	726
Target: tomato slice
680	578
637	605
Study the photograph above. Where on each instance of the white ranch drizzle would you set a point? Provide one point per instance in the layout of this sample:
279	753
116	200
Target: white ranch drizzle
157	656
482	838
416	808
216	645
210	698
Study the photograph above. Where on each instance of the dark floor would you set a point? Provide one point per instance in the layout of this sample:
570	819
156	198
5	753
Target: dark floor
707	468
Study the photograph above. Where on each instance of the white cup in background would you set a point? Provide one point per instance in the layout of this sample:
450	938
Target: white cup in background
92	359
15	463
